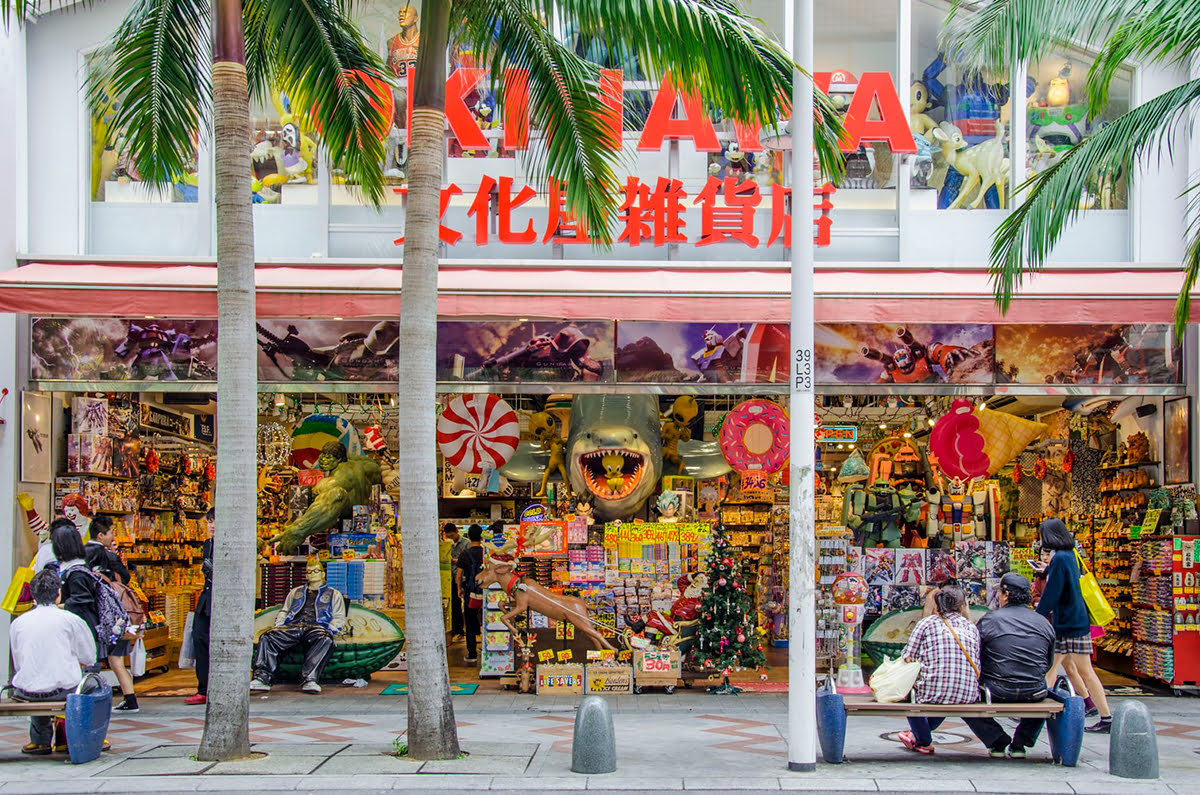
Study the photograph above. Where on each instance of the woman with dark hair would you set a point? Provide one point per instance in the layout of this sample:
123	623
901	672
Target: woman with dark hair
78	593
1062	603
947	646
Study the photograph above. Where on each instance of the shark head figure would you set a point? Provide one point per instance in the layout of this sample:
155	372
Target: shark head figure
615	451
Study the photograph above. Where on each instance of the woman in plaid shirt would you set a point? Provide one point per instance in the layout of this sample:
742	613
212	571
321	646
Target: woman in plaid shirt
947	646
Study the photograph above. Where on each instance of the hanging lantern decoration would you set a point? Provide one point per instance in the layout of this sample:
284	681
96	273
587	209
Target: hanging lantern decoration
1041	468
1068	461
1018	472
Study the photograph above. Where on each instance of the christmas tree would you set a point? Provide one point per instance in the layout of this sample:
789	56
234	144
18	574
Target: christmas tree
728	638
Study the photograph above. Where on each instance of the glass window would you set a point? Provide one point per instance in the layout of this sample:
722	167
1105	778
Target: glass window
962	121
283	154
114	172
1058	119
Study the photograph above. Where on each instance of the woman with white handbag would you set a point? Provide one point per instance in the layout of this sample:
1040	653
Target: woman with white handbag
947	646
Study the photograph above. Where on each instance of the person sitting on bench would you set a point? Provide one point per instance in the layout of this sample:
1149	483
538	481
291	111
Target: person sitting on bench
1017	650
947	646
309	618
48	647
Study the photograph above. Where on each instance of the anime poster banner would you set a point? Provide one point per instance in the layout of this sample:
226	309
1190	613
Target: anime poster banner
327	350
525	350
670	352
924	353
1123	353
122	349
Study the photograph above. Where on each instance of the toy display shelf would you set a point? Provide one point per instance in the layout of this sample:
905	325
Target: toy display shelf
1115	467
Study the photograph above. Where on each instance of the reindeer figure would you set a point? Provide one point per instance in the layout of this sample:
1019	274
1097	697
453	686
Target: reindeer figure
526	670
524	594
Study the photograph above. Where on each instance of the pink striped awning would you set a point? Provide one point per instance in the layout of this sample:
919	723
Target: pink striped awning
682	291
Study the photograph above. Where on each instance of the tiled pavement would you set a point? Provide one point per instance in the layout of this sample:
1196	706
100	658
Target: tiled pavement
689	740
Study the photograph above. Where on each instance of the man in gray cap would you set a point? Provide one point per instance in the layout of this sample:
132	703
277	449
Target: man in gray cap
1017	648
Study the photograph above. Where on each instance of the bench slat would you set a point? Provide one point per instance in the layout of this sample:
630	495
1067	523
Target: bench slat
32	708
864	705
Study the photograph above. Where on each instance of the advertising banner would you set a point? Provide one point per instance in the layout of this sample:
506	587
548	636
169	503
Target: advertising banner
327	350
525	350
721	353
122	349
1125	353
863	353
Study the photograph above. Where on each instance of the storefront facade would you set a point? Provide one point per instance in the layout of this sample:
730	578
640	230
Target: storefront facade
101	262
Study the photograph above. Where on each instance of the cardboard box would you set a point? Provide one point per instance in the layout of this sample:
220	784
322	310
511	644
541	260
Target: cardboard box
656	664
89	453
89	415
608	678
560	679
679	483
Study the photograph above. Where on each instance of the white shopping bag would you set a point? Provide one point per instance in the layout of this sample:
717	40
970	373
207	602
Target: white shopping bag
137	658
187	654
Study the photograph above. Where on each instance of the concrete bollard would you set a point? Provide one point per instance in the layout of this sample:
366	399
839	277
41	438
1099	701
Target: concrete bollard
1132	745
594	744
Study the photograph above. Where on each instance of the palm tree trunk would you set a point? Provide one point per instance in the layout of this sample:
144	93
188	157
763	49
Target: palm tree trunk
431	730
227	719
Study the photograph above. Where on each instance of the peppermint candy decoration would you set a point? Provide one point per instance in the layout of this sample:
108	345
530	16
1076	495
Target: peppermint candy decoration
478	429
373	438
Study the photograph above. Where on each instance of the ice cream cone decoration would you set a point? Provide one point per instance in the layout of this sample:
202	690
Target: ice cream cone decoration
972	443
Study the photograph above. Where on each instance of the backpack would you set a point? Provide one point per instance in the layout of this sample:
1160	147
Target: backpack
135	609
113	618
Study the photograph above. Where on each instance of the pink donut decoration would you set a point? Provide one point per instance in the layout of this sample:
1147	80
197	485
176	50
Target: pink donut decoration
755	436
478	429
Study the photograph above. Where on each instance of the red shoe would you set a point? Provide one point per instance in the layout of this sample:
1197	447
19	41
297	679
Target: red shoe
910	742
198	698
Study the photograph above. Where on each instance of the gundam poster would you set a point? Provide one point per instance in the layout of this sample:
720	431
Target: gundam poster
525	350
122	349
720	353
328	350
1126	353
855	353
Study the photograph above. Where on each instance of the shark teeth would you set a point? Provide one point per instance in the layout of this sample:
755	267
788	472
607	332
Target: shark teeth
604	480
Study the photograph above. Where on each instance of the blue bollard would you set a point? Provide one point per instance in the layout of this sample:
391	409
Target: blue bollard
87	717
1066	732
831	725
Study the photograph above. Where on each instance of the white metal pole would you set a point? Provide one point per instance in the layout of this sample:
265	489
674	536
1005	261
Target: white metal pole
802	623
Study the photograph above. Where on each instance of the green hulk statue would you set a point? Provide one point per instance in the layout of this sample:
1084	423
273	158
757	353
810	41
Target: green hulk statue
347	482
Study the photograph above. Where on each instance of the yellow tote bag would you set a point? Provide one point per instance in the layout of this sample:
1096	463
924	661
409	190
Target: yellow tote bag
1099	610
16	598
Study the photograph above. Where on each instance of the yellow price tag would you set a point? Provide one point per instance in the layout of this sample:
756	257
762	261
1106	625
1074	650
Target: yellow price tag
565	655
545	655
624	654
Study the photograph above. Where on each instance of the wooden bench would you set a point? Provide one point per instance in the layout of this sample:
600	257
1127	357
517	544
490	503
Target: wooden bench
31	709
1064	721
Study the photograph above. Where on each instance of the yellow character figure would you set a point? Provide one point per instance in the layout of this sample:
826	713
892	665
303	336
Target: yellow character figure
544	428
676	428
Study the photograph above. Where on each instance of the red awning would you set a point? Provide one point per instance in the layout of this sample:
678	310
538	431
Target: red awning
713	292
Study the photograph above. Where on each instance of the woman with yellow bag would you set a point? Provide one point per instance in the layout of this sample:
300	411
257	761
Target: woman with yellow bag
1063	603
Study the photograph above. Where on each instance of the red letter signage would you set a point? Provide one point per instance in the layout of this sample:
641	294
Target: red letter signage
661	123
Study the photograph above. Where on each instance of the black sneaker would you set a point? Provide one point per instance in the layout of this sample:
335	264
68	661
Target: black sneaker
127	707
1016	752
1091	713
997	750
1102	726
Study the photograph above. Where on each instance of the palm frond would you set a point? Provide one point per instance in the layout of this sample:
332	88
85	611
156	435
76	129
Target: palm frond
982	35
1024	240
709	47
565	100
1167	31
152	78
1191	264
312	50
22	11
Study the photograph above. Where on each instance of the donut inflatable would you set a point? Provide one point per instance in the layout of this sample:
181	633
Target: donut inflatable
754	436
478	429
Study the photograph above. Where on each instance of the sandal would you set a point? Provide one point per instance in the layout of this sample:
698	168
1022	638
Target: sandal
37	749
910	742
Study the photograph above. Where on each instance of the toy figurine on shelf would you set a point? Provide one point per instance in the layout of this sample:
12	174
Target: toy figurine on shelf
347	482
584	506
668	506
676	428
955	515
544	427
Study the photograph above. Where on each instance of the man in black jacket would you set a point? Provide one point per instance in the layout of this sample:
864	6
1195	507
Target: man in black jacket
1017	648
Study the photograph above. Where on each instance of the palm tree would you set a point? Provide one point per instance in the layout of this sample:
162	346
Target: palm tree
1163	32
709	47
154	66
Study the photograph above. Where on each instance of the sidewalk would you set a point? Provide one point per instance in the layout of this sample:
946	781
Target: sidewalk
341	741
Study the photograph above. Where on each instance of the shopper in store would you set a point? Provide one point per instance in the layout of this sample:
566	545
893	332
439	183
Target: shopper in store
947	646
202	618
310	617
101	555
470	563
458	545
48	647
1017	649
1062	603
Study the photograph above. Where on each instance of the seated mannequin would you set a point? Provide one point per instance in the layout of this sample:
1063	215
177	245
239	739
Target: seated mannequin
311	616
